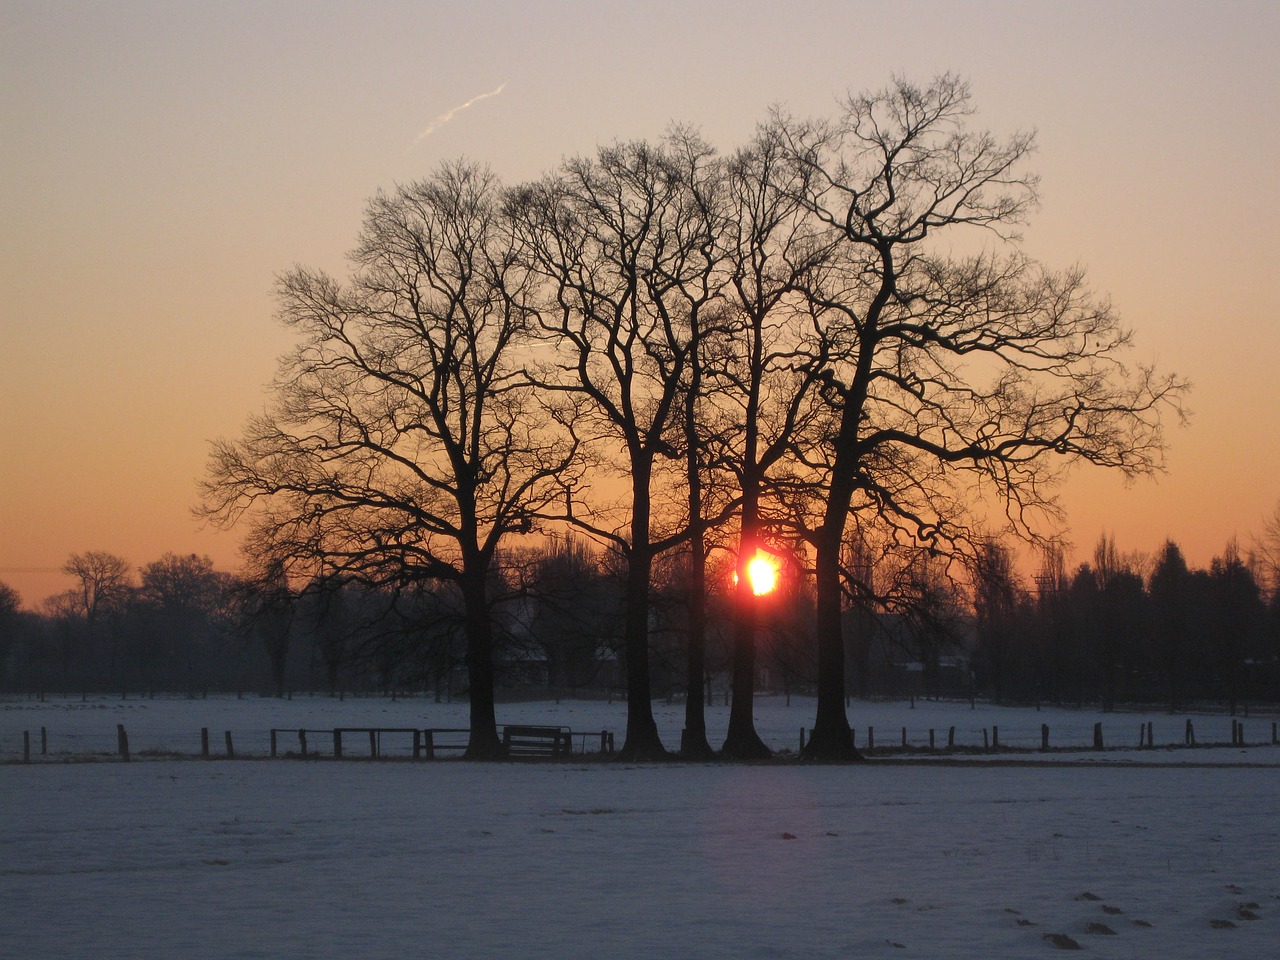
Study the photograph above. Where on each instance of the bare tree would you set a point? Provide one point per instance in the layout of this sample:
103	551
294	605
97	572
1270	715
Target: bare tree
181	602
103	588
102	582
621	241
766	387
960	378
403	445
1267	546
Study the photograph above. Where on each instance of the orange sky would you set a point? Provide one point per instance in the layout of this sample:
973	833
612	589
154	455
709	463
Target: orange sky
162	162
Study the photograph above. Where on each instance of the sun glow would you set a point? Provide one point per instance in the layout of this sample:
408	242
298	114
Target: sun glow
762	573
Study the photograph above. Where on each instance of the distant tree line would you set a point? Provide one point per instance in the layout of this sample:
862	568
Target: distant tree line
1124	629
176	625
1118	629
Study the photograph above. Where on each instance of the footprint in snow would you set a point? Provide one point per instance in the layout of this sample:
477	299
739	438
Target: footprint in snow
1062	941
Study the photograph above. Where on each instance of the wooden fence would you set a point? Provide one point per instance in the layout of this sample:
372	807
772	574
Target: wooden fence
932	741
432	743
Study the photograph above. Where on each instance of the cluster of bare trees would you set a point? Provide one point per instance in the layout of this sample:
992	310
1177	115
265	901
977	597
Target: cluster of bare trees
1124	629
826	339
169	625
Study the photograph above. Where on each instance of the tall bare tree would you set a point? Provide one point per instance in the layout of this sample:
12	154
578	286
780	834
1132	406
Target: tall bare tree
404	445
104	585
622	243
960	377
766	384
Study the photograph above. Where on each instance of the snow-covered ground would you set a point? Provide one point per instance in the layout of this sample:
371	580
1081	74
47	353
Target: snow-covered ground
245	858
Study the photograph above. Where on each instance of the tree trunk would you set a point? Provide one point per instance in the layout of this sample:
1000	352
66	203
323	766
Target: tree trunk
742	742
693	742
642	741
832	738
483	743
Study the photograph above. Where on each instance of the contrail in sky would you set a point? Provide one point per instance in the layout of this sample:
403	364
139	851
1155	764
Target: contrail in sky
448	115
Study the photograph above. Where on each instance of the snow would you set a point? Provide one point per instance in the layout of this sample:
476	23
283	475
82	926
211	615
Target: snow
288	859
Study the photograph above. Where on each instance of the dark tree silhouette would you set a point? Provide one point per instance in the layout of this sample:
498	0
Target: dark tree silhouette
403	446
1237	618
622	243
997	602
1172	621
9	607
978	375
104	587
766	388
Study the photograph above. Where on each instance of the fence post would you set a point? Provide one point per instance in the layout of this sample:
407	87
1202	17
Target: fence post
904	737
26	746
1044	737
871	739
931	738
273	742
417	744
231	751
204	741
302	741
122	741
429	744
951	738
337	743
1142	735
373	744
1097	735
44	737
1273	732
1190	734
986	739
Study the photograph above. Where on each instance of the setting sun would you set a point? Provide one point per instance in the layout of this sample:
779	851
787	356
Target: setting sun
762	573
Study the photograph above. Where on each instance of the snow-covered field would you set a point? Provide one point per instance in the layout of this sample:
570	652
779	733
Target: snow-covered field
246	858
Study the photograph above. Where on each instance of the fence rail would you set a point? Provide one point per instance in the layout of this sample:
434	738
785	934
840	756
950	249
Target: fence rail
374	743
432	743
988	739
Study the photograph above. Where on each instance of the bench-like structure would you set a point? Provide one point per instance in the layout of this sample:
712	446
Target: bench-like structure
529	742
520	741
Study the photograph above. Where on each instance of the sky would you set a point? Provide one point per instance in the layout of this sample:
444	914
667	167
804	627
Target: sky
161	163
